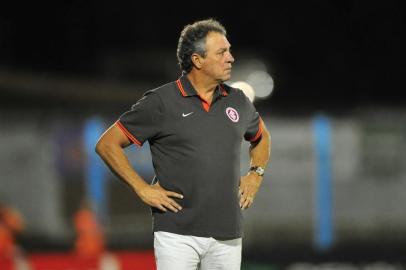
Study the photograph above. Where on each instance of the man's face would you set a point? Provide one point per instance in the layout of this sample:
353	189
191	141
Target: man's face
218	60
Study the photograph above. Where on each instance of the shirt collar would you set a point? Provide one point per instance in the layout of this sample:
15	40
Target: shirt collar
186	88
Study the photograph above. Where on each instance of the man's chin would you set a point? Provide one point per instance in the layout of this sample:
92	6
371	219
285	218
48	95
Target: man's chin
226	77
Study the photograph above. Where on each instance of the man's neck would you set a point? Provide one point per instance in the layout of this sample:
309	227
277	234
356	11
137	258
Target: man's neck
205	87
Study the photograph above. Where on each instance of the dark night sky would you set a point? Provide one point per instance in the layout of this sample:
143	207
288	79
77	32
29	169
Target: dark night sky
319	50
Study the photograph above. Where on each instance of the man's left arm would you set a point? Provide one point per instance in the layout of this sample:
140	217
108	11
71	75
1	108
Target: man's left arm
260	153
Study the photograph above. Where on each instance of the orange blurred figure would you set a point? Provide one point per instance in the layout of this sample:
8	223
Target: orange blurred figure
7	245
90	239
11	224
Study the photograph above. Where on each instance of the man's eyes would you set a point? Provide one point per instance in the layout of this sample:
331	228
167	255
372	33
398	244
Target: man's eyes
223	51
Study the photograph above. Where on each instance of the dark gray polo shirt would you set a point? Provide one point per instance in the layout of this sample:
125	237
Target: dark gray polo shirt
195	151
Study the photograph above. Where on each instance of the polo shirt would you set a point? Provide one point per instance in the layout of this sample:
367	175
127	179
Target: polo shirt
195	148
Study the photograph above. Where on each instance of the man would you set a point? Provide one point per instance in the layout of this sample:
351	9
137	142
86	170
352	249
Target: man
195	127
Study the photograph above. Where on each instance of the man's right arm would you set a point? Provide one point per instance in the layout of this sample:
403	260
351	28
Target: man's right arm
110	149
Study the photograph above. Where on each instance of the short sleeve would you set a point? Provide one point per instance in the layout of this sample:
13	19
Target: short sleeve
254	127
144	120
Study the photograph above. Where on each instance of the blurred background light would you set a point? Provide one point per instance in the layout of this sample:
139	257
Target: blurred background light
251	73
262	82
246	88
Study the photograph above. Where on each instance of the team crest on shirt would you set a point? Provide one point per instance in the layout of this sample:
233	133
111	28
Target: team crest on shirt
232	114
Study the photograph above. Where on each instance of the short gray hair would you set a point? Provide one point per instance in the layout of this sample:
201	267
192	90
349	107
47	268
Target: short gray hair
193	40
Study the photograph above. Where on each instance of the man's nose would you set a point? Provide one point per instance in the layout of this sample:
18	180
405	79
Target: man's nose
230	58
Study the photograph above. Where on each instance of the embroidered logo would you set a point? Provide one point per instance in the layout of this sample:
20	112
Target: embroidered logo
186	114
232	114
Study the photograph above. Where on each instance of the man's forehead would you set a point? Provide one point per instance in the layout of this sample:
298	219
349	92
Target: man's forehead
215	41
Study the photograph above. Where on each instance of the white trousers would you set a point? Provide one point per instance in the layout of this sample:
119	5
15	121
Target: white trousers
184	252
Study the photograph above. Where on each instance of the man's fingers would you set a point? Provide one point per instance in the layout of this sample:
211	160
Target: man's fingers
174	194
246	202
160	207
245	205
243	195
242	200
169	193
174	204
170	207
165	206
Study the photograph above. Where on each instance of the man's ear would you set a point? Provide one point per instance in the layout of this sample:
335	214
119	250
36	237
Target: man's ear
197	60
